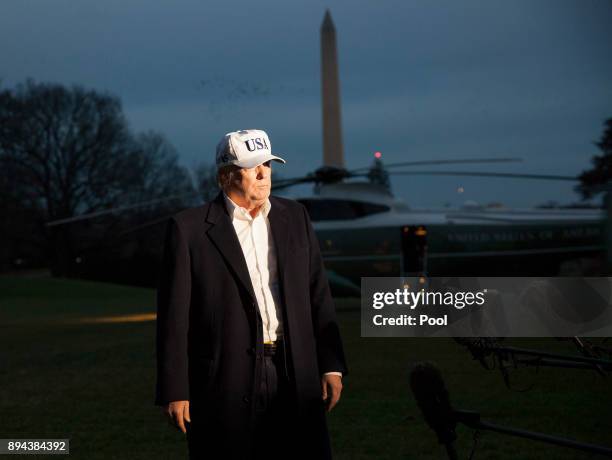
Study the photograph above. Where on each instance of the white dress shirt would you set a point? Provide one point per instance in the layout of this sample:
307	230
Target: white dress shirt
257	245
255	237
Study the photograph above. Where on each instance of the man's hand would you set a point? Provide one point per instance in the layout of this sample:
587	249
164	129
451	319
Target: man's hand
178	413
331	388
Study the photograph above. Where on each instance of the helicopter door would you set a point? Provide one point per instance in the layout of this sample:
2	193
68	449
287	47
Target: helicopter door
414	251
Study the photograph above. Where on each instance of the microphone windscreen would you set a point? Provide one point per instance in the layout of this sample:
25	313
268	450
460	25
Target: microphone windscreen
433	399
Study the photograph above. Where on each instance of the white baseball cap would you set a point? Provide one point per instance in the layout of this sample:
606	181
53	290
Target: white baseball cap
246	149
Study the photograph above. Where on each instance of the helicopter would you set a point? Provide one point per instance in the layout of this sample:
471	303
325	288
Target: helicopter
364	230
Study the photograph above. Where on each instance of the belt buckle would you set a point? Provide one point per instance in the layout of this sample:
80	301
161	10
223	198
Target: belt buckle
269	348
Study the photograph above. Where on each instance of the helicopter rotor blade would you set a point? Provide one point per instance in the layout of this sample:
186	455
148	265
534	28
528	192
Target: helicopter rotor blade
445	162
284	183
146	225
91	215
281	184
294	180
487	174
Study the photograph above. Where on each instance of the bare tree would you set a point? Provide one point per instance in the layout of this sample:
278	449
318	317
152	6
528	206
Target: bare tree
74	154
155	174
601	172
206	180
70	145
20	243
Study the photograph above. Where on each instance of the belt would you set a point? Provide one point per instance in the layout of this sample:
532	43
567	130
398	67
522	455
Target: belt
272	348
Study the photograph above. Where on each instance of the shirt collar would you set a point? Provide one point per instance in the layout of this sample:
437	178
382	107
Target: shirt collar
238	212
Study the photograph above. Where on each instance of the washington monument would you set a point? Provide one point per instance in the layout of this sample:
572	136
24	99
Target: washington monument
333	154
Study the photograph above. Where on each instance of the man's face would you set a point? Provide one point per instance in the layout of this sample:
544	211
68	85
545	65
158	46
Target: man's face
254	184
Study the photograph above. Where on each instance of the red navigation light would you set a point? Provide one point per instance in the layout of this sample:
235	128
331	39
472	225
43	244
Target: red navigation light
378	155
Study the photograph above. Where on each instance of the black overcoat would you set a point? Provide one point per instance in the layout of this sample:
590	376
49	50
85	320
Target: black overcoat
209	331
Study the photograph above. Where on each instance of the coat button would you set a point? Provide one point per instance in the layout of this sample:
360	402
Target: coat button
251	351
246	399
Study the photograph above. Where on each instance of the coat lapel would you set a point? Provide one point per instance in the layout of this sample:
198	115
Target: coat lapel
224	237
278	224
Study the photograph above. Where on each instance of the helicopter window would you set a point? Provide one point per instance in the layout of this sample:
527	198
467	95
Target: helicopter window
340	209
371	208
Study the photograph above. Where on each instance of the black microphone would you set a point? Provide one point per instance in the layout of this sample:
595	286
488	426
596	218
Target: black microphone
480	348
432	398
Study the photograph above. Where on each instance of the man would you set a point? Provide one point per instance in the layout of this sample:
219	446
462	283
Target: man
248	349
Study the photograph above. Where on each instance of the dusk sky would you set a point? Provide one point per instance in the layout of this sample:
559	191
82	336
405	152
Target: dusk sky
419	79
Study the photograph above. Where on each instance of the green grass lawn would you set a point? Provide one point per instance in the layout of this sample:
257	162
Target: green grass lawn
94	383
